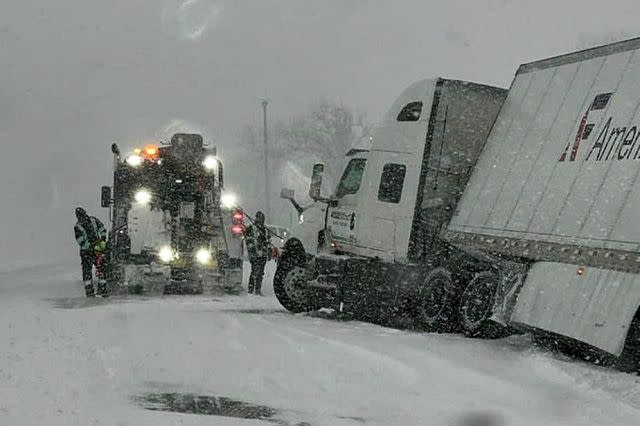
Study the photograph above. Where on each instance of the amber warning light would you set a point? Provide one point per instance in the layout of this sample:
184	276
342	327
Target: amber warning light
150	152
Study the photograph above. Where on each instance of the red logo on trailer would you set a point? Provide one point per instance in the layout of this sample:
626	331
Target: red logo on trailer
585	128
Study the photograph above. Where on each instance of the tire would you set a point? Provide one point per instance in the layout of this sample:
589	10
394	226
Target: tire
288	281
290	290
433	305
476	307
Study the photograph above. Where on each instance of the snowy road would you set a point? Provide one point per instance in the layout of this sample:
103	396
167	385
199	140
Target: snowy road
66	362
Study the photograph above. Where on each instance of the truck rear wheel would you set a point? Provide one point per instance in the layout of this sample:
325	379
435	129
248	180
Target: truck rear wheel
476	307
433	309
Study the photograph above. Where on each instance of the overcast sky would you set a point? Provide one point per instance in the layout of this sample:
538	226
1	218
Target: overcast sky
77	75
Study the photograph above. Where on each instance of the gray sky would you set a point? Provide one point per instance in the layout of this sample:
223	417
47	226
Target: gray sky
78	74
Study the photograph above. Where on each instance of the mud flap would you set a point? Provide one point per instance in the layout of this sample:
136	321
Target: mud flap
512	276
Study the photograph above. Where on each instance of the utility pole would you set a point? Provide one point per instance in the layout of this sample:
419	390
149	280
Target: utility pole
267	183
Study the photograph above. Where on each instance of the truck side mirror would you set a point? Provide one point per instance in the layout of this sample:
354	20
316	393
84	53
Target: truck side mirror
105	196
316	181
287	194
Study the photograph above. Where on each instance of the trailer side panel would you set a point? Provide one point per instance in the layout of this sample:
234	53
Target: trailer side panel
561	163
592	305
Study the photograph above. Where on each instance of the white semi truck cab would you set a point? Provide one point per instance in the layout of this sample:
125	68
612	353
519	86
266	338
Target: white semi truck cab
383	250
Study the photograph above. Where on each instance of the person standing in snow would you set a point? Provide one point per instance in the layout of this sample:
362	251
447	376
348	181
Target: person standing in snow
91	236
259	248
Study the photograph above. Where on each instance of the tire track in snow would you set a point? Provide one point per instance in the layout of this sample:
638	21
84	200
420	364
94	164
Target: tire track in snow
404	370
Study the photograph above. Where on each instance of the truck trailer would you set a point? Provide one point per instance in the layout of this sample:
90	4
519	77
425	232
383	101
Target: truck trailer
554	201
171	232
383	252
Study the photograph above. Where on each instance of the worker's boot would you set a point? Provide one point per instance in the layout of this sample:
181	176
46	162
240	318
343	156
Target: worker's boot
102	288
88	288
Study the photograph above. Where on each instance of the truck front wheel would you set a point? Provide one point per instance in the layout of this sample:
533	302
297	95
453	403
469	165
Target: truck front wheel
292	291
291	277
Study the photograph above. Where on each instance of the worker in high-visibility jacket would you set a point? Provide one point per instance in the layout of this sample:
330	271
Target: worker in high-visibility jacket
258	243
91	236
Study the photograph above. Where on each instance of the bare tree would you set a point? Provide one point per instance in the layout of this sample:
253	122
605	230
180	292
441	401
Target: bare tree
326	132
322	134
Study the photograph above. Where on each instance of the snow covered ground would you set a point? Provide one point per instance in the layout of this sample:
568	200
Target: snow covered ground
64	361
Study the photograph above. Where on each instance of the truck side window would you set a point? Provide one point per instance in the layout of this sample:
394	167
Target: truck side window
351	178
391	183
411	112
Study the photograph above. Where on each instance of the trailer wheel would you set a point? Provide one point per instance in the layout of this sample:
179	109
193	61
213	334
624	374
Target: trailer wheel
433	309
476	307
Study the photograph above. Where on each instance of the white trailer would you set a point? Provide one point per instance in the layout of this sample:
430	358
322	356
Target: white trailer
383	251
555	198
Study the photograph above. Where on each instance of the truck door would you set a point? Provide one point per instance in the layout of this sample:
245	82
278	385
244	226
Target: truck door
384	230
392	176
342	217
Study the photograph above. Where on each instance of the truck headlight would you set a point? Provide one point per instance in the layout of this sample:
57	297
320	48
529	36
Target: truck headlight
228	200
166	254
210	162
134	160
203	256
142	196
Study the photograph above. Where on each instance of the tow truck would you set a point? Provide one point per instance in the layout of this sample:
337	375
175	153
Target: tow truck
173	229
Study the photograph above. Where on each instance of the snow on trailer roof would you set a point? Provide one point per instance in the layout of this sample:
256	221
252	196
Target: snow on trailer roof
581	55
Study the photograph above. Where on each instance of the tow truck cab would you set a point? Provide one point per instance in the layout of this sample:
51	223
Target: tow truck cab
169	229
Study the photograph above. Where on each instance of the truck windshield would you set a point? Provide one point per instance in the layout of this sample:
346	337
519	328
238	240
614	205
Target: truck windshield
351	178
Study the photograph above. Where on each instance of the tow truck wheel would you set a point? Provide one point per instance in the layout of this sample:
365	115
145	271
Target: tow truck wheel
433	304
476	307
291	289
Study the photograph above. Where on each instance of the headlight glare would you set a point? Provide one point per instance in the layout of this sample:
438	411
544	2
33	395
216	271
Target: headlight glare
203	256
210	162
134	160
228	200
166	254
142	196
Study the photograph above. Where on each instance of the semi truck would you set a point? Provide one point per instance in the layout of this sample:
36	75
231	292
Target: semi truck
540	237
381	247
554	201
173	230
